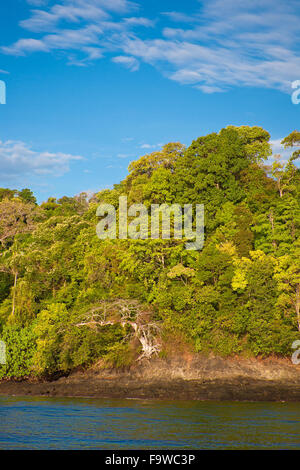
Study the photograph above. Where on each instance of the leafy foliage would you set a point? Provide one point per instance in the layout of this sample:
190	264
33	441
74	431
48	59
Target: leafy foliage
68	299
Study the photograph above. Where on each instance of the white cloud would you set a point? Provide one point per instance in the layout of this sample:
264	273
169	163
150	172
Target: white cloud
80	28
249	43
18	160
124	155
228	43
73	13
151	146
22	46
223	43
179	17
186	76
139	21
130	62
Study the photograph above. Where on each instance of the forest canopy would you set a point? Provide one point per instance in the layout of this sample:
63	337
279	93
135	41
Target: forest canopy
68	299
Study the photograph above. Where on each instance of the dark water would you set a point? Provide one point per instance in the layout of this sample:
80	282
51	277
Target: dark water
137	424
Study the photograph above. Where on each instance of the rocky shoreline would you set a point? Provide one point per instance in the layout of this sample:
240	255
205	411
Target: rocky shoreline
194	378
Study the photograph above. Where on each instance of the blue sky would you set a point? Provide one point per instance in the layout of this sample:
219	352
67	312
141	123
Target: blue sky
94	84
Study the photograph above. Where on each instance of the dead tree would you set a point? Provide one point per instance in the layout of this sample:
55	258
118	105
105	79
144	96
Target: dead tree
127	313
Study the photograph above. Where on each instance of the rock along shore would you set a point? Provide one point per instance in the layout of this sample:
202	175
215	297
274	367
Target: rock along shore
186	378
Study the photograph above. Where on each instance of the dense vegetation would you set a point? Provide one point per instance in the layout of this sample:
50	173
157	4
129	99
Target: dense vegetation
68	299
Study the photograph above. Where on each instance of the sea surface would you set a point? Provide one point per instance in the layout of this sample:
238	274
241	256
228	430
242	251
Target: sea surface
66	423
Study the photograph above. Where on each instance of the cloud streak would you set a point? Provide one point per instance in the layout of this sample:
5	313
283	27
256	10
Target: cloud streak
18	160
82	29
224	43
129	62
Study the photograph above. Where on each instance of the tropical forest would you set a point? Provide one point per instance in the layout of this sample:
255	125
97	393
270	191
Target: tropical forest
69	300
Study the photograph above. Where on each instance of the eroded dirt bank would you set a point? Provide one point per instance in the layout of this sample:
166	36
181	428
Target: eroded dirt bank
191	378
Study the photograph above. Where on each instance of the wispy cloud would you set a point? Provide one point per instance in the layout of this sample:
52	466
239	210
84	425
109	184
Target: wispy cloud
124	155
179	17
80	28
44	21
23	46
223	43
129	62
150	146
249	43
18	160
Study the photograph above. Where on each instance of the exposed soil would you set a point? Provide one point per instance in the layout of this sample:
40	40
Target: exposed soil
189	378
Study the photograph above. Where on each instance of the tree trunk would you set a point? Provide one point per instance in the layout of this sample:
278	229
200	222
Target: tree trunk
271	219
14	293
298	304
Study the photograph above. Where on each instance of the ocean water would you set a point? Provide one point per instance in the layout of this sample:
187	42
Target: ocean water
66	423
